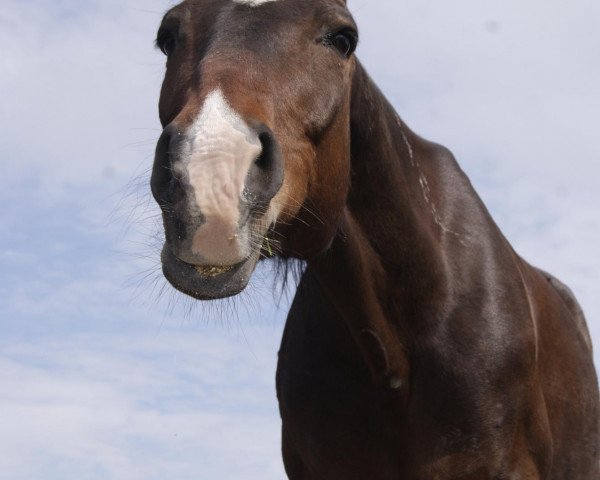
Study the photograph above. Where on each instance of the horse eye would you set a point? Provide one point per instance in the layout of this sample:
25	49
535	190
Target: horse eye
166	44
344	42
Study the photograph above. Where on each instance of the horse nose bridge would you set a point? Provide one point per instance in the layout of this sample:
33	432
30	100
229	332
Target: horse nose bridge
246	86
230	146
217	152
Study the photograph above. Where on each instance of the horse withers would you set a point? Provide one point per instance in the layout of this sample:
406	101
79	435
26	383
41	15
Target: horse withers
419	345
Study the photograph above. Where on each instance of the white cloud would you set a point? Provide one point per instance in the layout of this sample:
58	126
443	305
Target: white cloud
185	403
83	83
525	96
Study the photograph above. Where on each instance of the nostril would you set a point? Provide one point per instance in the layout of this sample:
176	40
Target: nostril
264	160
166	150
265	176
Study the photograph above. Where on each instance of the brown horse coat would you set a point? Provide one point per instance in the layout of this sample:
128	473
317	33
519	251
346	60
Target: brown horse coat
483	363
419	345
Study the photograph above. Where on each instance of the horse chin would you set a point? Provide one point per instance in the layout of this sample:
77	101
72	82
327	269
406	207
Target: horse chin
207	282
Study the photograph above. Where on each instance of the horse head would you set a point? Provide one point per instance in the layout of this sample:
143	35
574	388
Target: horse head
254	157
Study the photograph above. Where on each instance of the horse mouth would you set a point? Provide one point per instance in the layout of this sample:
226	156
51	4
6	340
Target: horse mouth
214	270
209	282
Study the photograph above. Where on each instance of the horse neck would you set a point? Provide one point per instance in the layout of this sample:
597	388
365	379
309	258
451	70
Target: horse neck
384	267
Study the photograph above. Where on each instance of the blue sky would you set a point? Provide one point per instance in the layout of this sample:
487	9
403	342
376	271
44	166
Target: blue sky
105	372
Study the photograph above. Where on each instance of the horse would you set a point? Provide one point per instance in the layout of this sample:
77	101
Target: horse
419	345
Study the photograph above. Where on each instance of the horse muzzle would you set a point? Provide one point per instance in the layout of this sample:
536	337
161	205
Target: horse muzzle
214	182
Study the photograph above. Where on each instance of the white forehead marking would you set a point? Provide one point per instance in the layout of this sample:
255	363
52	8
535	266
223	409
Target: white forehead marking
253	3
218	153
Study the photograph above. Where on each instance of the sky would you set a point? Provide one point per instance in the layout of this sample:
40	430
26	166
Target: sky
105	371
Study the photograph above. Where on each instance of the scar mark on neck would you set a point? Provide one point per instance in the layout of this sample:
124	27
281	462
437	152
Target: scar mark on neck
424	184
252	3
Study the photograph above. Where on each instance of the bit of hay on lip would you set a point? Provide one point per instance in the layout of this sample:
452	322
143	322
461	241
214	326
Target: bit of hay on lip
211	270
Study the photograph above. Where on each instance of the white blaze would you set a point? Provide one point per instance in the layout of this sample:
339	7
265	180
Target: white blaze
253	3
217	156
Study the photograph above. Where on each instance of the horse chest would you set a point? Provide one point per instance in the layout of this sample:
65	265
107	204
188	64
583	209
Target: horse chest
337	424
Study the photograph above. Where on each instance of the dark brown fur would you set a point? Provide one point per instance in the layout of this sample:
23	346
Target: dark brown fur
419	345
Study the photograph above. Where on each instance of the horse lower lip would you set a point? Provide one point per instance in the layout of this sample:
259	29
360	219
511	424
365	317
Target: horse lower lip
212	270
207	282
